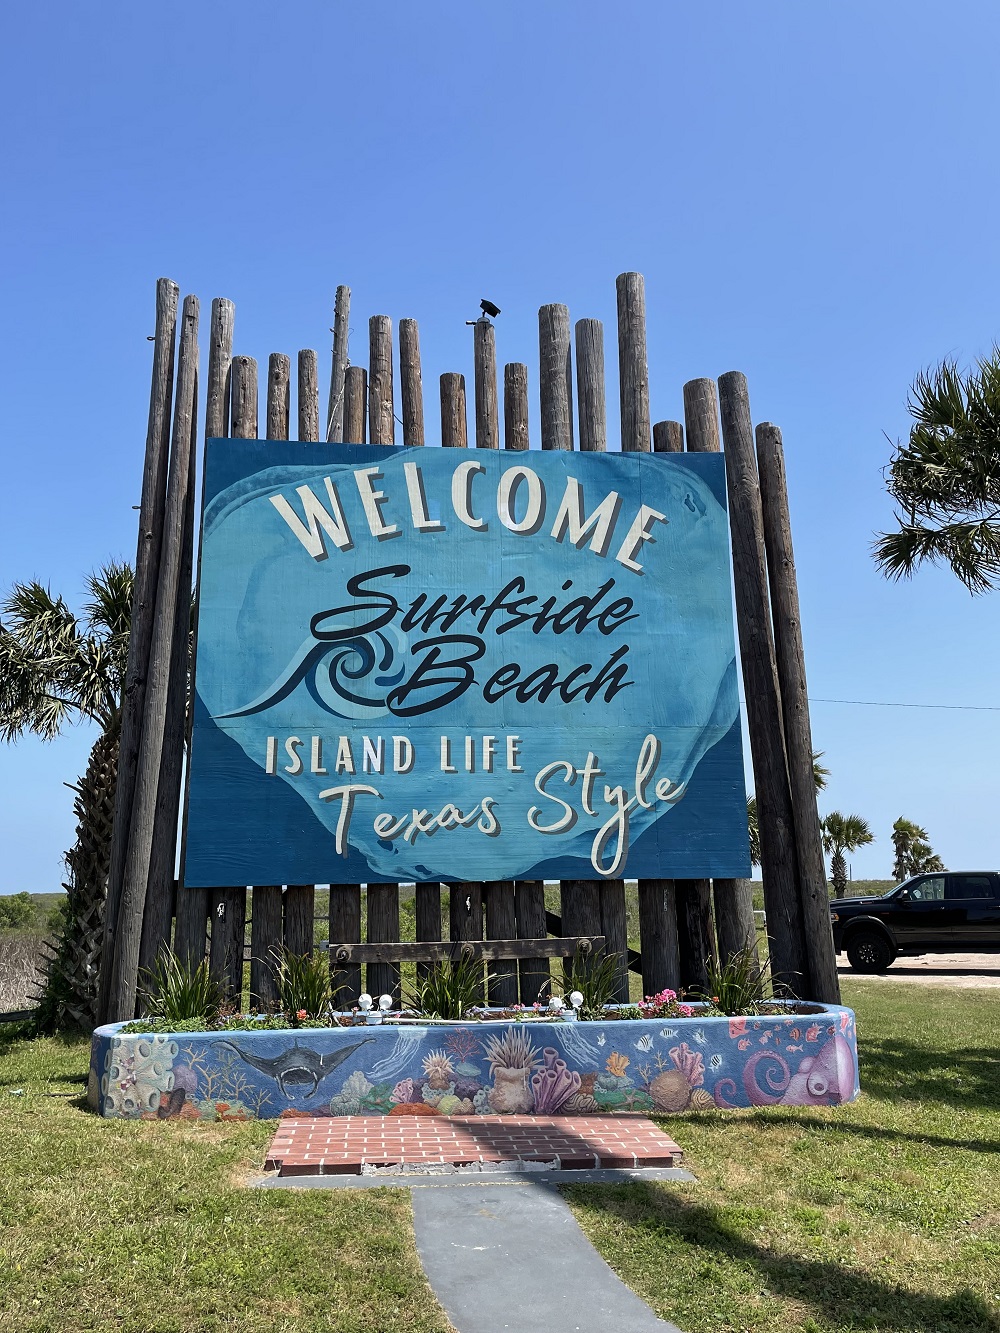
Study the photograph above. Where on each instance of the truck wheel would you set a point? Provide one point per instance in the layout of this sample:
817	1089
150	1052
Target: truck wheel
869	951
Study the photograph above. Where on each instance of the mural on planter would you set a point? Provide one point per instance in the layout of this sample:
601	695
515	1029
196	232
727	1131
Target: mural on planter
518	1069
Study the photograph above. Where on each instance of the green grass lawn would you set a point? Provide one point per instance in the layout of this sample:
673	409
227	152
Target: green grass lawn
883	1215
146	1228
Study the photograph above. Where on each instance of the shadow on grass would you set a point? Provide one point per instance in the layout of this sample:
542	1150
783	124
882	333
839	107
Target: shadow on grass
845	1297
896	1069
835	1127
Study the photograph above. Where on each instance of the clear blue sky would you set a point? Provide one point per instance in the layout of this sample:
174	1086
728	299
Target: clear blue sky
810	190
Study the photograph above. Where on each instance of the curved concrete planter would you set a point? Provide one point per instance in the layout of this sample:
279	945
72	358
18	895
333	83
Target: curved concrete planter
545	1068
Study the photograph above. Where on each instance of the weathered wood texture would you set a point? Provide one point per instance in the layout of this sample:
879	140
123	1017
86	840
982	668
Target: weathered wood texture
382	978
734	923
356	405
427	909
590	392
225	958
381	418
161	891
695	931
789	963
299	911
279	372
633	370
147	565
411	382
465	913
668	437
125	963
501	924
529	910
515	406
220	357
265	932
307	397
338	368
614	928
555	377
790	655
454	414
733	911
487	408
345	928
244	399
658	935
380	955
581	909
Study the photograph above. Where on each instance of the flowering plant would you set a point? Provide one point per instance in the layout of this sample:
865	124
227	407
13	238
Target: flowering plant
664	1005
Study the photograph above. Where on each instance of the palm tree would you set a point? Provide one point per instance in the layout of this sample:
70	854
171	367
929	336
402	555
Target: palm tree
57	668
946	478
914	853
843	833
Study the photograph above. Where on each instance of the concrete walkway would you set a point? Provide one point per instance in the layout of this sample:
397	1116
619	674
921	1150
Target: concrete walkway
514	1258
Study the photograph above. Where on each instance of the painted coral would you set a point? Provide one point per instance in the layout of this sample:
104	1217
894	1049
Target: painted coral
438	1068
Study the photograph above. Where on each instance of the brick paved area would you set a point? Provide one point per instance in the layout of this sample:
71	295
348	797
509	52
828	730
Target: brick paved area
343	1144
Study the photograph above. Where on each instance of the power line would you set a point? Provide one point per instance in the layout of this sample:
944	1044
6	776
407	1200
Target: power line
884	703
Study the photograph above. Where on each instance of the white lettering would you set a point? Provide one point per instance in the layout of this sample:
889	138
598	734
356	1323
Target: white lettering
333	524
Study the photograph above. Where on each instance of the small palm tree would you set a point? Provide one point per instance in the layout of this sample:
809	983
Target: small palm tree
843	833
57	668
914	853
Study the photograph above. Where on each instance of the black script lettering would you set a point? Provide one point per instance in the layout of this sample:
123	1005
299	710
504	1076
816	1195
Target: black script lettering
450	677
544	681
383	603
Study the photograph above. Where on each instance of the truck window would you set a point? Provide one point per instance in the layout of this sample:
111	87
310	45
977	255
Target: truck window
971	886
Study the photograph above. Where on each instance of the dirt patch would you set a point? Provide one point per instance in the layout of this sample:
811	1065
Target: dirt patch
967	971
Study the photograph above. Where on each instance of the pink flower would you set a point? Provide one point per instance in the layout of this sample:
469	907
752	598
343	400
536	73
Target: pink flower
685	1010
302	1013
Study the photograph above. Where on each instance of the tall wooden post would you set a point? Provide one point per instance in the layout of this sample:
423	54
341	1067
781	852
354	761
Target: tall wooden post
279	370
125	962
355	405
590	392
555	379
487	412
381	418
515	406
454	414
789	962
411	382
308	394
338	369
791	662
191	928
147	565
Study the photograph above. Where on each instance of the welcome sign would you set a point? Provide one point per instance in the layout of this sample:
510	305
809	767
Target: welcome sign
433	664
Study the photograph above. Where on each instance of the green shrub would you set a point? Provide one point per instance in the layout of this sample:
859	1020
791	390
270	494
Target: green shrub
448	990
178	990
305	983
16	910
741	985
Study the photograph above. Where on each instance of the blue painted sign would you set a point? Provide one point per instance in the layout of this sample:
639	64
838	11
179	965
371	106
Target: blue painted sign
426	664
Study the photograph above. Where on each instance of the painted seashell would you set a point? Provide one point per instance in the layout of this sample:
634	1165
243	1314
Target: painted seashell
670	1091
701	1100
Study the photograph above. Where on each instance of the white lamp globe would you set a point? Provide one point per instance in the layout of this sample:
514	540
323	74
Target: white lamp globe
365	1001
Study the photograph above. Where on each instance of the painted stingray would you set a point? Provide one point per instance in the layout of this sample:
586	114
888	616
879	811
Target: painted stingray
298	1067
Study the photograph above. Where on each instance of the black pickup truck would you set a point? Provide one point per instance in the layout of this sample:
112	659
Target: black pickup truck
951	912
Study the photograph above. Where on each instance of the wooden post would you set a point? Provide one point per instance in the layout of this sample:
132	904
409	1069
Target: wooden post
791	663
147	565
191	928
658	934
381	418
501	924
529	909
383	926
244	399
633	370
668	437
161	891
355	405
279	370
465	913
345	928
411	382
555	381
454	415
265	934
338	370
428	917
299	910
228	908
125	961
515	406
308	395
487	415
658	900
590	386
789	962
